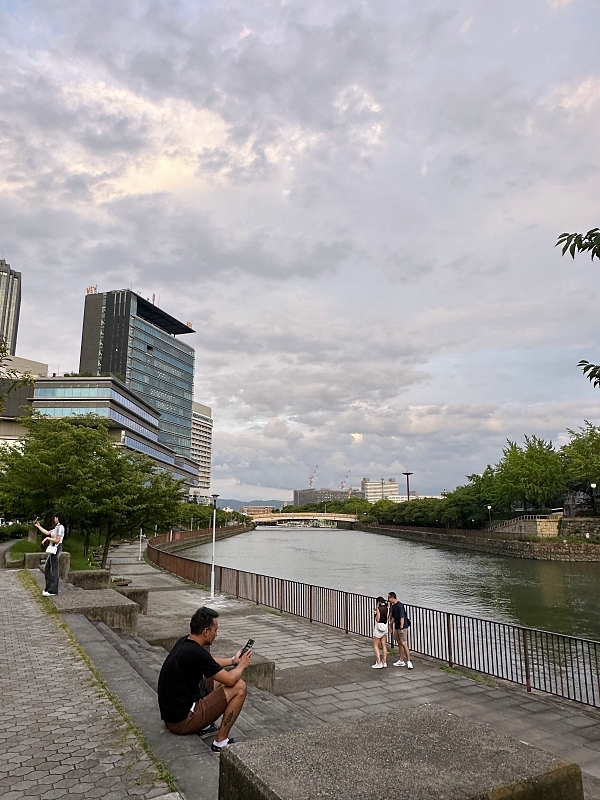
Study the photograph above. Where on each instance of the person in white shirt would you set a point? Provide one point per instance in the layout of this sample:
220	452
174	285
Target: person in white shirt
55	538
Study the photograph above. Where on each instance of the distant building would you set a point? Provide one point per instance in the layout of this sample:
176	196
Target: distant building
255	511
128	336
10	304
202	427
304	496
23	365
133	422
379	490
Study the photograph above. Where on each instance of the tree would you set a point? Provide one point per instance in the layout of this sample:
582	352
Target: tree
581	459
10	379
580	243
534	474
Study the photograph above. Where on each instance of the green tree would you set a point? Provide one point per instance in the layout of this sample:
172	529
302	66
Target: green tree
581	459
534	474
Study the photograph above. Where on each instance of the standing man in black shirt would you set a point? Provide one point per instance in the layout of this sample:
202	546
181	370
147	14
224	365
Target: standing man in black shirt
188	699
401	624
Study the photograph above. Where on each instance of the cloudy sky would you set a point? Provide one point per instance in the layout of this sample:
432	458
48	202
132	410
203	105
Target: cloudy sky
355	203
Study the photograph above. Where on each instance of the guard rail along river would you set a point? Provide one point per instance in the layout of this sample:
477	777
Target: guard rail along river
565	666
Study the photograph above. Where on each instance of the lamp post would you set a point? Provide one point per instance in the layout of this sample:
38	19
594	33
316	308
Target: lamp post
489	508
212	569
407	485
593	486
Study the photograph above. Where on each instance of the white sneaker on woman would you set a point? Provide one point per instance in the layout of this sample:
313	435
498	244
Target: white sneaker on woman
399	664
377	666
409	664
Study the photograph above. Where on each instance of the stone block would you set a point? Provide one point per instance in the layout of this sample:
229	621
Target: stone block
138	594
260	673
35	560
90	578
104	605
423	753
13	562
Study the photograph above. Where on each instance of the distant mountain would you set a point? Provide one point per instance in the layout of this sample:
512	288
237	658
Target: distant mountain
235	504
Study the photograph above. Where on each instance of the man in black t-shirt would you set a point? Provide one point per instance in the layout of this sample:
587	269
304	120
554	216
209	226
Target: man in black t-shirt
188	699
401	624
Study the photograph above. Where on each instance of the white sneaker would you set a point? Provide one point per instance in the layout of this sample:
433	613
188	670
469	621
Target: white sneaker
385	663
376	666
409	665
46	594
398	664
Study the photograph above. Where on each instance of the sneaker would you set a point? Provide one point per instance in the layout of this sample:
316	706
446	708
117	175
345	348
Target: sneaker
216	749
212	728
409	664
377	666
46	594
385	663
398	664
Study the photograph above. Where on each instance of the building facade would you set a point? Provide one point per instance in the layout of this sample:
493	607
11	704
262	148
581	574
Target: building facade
128	336
10	304
202	427
255	511
133	422
304	496
379	490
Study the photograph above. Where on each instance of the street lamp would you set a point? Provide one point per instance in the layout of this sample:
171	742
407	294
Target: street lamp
407	485
490	515
593	485
212	569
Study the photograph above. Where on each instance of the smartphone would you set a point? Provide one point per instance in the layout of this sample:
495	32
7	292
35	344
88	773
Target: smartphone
247	646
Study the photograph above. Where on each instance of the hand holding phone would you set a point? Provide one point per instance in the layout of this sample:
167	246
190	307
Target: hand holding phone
246	647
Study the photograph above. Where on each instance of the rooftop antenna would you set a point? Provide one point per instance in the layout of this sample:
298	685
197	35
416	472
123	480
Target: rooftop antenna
152	298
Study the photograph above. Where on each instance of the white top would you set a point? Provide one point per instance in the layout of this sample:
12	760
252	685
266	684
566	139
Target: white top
58	533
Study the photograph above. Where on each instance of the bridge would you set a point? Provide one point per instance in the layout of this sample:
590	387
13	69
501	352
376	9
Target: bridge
304	519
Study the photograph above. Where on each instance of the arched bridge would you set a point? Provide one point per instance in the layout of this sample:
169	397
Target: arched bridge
312	520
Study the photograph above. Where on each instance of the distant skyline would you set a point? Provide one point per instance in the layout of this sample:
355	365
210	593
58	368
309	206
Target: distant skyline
354	204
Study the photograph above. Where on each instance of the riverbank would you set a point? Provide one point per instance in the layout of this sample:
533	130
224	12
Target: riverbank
539	551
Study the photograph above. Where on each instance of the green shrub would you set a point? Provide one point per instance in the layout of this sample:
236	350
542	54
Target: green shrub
15	531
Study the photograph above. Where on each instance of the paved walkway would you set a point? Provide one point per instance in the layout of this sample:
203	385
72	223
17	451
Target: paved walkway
59	736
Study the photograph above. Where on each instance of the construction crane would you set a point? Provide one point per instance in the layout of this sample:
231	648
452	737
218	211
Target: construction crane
343	483
311	480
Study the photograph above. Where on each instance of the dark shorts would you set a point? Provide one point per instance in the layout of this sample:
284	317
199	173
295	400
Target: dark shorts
205	711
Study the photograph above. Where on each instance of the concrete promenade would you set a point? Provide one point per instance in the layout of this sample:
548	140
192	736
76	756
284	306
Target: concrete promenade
321	675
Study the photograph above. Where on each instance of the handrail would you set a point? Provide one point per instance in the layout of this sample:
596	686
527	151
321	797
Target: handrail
561	665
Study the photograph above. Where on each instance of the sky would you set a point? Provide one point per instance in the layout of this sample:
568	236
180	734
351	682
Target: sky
355	204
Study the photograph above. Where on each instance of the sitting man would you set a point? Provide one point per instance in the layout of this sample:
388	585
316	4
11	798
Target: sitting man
188	700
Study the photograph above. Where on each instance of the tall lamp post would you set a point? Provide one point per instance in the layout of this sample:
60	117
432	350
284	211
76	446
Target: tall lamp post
408	474
593	487
212	569
490	515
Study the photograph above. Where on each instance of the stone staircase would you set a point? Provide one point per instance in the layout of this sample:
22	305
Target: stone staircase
146	659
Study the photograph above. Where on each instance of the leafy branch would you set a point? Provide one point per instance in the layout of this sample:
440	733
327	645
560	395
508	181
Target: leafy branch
580	243
591	372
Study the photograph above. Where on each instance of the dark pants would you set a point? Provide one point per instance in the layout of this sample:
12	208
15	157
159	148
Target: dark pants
51	572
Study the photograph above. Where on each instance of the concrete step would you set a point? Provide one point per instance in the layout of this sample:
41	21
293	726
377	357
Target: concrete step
147	663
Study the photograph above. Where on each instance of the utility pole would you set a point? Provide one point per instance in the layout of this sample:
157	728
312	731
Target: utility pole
212	569
408	474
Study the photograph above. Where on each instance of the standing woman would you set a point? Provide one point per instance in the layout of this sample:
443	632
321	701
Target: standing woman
380	632
55	537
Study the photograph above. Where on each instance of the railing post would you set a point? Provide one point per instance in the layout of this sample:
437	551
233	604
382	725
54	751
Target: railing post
310	603
256	588
346	610
526	657
280	581
237	583
449	640
220	578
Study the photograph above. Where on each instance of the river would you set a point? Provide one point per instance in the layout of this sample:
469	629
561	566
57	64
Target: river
554	595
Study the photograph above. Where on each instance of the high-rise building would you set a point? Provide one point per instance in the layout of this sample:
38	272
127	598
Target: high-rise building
202	426
10	304
304	496
130	337
379	490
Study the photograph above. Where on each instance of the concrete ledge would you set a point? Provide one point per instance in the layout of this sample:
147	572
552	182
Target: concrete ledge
12	562
423	753
138	594
90	578
104	605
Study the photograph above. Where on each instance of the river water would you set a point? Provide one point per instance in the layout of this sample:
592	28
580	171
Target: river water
553	595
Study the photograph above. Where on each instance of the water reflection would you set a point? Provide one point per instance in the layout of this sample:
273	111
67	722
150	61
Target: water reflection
557	596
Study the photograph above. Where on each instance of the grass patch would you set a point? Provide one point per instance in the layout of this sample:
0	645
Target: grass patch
24	546
163	773
473	676
72	544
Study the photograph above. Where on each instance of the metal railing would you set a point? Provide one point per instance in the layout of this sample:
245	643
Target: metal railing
560	665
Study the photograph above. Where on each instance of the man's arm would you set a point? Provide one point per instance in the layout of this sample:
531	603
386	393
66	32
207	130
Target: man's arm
229	677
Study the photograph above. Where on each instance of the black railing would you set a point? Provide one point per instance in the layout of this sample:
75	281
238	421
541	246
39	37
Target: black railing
549	662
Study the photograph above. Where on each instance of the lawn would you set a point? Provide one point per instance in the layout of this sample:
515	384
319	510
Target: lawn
72	544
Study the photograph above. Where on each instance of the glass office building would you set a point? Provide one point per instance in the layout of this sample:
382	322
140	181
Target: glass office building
128	336
10	304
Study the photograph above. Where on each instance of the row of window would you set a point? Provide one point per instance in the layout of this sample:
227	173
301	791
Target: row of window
142	327
156	357
148	382
94	391
148	450
102	411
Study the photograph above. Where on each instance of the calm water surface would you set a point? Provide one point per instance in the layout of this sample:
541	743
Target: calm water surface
554	595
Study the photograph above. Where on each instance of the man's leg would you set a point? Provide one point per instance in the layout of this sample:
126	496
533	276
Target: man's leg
236	695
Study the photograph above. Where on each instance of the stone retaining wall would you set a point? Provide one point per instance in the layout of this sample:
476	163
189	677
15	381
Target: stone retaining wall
580	526
543	551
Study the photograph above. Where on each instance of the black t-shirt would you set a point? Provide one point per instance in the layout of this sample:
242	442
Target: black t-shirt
398	611
178	684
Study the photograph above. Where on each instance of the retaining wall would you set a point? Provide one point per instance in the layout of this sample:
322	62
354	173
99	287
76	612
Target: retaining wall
543	551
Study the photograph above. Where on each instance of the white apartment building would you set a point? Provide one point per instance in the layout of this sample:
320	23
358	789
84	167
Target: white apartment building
202	426
379	490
